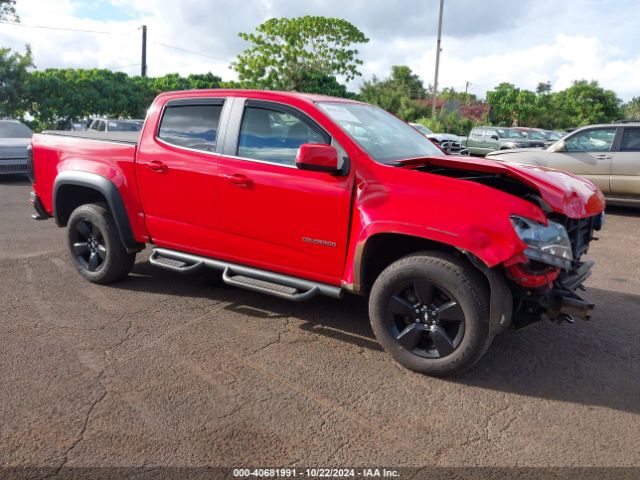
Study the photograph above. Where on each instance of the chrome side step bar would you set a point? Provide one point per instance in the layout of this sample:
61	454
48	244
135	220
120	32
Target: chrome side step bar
276	284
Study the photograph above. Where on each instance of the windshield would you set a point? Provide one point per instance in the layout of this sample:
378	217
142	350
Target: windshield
14	130
534	135
509	133
384	137
131	126
554	135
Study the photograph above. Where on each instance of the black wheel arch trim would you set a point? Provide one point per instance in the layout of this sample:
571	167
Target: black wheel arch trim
501	298
111	194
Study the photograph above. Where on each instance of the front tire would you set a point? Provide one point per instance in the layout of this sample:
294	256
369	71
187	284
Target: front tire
430	312
95	246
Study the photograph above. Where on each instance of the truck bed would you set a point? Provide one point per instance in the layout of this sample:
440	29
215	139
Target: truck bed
129	138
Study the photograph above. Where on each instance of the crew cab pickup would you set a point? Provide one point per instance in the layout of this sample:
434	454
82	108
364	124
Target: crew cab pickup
484	140
299	195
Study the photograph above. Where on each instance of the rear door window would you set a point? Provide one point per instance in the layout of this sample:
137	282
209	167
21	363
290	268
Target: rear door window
191	126
630	140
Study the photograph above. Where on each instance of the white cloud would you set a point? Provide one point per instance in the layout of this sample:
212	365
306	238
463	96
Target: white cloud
488	42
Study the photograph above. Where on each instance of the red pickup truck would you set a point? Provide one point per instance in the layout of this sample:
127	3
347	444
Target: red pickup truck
297	195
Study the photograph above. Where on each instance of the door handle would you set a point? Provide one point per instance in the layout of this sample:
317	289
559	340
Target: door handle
157	166
604	157
239	180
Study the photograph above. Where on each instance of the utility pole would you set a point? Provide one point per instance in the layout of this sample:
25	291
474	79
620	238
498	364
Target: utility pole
435	82
466	91
143	65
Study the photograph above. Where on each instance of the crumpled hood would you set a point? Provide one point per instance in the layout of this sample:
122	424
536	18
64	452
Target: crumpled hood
14	147
565	193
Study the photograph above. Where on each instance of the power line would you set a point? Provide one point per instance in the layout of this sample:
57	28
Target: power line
46	27
126	66
191	52
104	32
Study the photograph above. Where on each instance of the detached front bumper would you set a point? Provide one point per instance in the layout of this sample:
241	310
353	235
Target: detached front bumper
557	302
564	303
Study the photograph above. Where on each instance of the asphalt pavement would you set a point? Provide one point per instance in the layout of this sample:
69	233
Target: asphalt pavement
182	370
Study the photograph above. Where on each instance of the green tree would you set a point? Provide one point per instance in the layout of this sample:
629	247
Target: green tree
543	87
511	106
283	47
449	93
449	122
61	95
316	82
586	103
631	109
14	68
8	10
405	80
400	94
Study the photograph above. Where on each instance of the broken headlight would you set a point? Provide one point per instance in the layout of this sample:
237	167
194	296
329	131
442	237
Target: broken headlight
547	244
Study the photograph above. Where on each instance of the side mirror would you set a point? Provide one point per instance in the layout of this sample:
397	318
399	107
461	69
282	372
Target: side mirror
559	146
495	137
317	158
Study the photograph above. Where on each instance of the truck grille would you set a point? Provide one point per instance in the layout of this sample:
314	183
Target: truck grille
15	168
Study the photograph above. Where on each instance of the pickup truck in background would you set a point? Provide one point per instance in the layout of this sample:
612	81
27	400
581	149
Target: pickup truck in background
298	195
484	140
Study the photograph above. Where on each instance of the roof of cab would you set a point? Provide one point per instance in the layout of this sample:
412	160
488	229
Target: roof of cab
257	94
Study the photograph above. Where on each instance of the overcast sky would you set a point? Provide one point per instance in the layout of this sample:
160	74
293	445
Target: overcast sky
484	42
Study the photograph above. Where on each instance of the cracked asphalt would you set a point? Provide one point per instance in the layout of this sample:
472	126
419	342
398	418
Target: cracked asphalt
171	370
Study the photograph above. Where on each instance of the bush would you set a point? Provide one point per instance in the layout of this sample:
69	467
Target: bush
450	122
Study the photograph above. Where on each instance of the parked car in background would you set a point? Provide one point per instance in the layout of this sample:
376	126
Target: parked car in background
483	140
15	137
448	142
547	136
553	135
608	155
113	125
535	134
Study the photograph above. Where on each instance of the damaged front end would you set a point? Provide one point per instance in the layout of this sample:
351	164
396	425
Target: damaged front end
546	276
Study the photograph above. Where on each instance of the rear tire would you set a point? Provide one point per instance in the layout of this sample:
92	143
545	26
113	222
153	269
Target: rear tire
95	246
430	311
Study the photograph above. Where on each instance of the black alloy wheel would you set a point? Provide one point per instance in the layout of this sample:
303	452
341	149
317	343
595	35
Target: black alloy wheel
425	320
88	245
95	246
430	311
